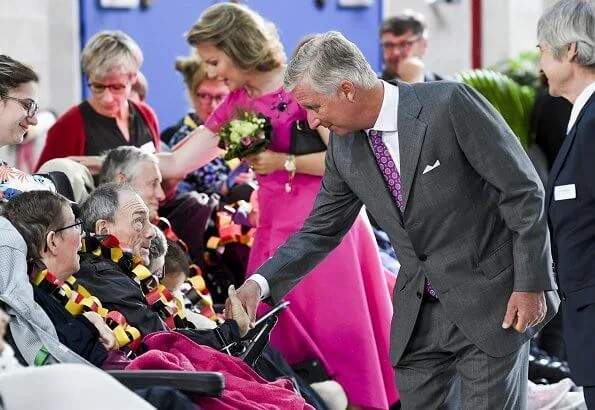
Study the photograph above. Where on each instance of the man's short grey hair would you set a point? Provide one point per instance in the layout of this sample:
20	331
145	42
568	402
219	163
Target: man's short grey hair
103	203
567	22
111	52
123	160
327	60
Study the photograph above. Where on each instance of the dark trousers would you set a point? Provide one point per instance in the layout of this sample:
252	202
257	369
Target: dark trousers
589	392
442	369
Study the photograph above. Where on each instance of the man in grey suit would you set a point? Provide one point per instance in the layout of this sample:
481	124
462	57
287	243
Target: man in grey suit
448	181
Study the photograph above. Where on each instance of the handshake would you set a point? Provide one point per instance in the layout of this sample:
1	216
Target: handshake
241	305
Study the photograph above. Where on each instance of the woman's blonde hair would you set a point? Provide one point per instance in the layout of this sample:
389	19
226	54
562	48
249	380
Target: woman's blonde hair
242	34
111	51
193	71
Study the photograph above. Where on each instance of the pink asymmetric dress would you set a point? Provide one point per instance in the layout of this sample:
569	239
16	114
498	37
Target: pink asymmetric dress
341	312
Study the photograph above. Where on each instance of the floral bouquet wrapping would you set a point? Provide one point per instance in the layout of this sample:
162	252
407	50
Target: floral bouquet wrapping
247	134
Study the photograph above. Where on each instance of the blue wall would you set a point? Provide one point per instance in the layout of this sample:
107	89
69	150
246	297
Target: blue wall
159	32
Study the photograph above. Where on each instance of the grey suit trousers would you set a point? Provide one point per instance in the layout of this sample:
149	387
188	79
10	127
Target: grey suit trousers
442	369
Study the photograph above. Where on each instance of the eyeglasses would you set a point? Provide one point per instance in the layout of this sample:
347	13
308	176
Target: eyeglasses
77	223
27	103
401	45
99	88
209	98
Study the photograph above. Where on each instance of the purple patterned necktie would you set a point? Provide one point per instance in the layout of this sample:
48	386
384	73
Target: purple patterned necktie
393	181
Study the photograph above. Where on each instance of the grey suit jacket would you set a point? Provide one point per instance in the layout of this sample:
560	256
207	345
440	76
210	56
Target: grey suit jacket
474	226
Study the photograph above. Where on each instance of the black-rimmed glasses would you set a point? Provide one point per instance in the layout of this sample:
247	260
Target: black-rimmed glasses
27	103
77	223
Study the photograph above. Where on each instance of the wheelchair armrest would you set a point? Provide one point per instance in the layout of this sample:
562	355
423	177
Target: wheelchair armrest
192	383
259	342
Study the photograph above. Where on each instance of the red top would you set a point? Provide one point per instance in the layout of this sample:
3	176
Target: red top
67	136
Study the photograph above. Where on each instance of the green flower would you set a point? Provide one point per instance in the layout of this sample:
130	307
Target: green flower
243	128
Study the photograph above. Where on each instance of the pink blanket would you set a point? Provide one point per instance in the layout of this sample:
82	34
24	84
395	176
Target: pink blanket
244	389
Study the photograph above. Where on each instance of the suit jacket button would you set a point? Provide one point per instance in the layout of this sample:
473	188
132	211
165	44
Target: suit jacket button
418	295
422	257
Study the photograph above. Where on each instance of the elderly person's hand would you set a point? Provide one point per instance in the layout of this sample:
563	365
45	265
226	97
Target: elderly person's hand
411	70
249	296
92	162
106	336
265	162
235	310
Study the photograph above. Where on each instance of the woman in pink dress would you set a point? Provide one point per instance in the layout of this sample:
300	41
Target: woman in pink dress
340	314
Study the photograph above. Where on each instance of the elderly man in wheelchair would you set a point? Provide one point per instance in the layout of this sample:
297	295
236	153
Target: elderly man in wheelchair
118	316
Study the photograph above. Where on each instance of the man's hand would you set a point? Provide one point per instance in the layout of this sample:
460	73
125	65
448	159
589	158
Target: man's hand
411	70
249	296
525	309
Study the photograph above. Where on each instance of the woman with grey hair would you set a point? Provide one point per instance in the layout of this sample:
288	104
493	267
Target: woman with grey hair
244	50
109	118
566	34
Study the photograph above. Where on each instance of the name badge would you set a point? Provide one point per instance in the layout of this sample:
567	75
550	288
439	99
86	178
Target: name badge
563	192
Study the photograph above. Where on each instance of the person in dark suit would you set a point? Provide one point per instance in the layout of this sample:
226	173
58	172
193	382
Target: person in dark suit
404	42
567	44
450	184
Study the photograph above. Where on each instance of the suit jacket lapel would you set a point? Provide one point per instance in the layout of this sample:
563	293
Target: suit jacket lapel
563	153
411	136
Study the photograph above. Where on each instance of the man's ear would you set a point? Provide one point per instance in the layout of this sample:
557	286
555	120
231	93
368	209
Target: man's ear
102	227
120	179
571	52
347	91
51	246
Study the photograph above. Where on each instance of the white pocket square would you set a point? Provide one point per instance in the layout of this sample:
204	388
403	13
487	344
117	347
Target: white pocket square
428	168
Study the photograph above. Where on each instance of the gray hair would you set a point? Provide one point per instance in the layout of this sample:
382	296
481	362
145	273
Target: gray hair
123	160
566	22
103	203
325	61
111	51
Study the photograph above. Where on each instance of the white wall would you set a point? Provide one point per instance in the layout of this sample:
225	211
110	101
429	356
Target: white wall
45	35
508	27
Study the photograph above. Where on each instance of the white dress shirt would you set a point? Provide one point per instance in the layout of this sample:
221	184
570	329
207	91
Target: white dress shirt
387	123
578	105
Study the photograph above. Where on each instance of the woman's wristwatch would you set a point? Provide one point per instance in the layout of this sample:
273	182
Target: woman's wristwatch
290	167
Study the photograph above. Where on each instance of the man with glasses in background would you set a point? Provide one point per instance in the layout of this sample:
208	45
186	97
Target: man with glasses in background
404	41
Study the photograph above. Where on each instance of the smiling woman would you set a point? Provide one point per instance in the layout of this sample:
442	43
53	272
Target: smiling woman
18	110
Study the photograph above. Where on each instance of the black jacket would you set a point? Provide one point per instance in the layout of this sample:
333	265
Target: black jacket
76	332
570	200
116	291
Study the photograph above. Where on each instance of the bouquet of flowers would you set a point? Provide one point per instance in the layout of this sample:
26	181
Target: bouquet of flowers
247	134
